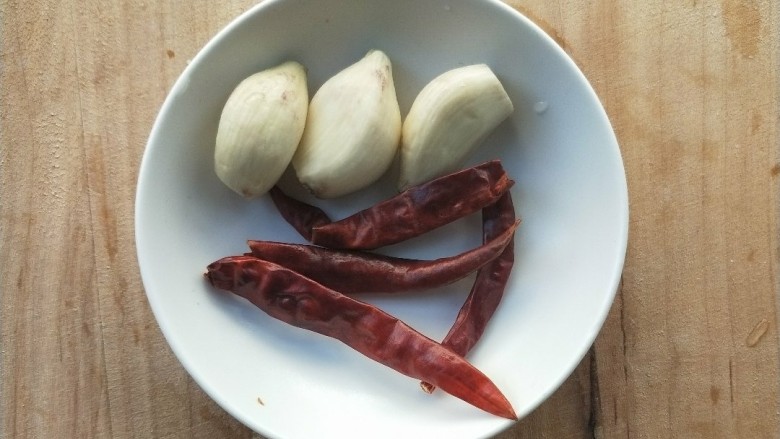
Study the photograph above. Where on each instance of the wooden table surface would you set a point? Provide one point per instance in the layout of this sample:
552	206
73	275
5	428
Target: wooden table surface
690	347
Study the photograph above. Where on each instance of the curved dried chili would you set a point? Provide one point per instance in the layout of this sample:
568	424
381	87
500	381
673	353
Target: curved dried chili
292	298
411	213
488	289
351	271
417	210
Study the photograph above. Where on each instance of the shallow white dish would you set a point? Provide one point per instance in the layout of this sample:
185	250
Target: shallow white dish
570	191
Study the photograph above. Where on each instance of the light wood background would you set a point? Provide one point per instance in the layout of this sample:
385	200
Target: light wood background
690	348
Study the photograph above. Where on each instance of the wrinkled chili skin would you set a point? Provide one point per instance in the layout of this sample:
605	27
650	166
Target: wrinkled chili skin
353	271
299	301
413	212
302	216
488	288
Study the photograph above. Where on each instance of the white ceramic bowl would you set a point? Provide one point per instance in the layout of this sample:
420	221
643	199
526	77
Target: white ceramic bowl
571	192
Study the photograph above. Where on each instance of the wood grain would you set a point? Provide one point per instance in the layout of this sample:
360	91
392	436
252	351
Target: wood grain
690	348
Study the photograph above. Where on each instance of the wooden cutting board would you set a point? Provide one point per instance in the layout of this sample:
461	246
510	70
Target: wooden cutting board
690	347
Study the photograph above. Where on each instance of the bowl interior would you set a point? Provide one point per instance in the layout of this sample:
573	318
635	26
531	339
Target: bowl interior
570	192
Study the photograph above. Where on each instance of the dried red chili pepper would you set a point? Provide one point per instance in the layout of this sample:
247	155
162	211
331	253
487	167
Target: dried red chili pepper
299	301
418	209
490	283
411	213
488	289
303	217
352	271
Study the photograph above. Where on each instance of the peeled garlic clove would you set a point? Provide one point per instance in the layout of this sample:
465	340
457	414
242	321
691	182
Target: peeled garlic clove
260	127
450	117
352	130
